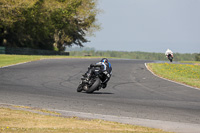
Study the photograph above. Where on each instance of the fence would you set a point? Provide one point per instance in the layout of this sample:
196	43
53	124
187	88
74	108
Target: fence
29	51
2	50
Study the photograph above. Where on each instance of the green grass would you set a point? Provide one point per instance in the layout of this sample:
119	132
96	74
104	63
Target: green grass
6	60
14	59
20	121
194	62
184	73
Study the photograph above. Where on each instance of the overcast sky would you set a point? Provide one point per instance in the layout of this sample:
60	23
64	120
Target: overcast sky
148	25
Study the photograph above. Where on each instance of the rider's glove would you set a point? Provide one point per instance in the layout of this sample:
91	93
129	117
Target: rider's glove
91	65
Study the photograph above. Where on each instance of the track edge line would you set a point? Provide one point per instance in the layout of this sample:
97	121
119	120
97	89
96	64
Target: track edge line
169	79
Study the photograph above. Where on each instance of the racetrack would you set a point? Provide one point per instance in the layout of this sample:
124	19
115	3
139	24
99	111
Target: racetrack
132	93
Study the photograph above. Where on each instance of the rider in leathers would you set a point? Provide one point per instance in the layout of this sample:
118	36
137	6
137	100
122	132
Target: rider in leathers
168	52
105	70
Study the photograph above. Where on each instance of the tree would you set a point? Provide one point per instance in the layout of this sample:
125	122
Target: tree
10	12
197	57
42	23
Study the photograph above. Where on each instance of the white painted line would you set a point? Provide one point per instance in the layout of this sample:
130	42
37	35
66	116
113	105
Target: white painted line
171	80
19	64
15	64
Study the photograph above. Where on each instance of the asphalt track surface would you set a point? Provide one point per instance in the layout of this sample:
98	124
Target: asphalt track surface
133	95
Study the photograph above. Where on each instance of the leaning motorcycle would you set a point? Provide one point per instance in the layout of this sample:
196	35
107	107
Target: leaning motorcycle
170	57
90	82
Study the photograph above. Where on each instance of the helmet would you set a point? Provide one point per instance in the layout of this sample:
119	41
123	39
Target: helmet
105	60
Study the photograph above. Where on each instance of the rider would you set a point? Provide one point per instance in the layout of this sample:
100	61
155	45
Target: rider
168	52
105	70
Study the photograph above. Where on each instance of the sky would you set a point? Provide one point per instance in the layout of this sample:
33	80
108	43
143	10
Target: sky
148	26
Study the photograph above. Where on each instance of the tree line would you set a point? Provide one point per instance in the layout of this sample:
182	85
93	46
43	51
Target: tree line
47	24
197	57
136	55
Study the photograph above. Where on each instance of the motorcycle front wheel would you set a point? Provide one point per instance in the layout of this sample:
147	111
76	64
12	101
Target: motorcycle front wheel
80	88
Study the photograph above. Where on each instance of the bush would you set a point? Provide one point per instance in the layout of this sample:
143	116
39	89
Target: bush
197	57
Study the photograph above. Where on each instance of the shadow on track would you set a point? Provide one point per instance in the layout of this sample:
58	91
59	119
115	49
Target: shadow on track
99	93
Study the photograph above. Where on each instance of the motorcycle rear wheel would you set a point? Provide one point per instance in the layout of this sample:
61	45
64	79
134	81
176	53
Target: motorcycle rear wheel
94	86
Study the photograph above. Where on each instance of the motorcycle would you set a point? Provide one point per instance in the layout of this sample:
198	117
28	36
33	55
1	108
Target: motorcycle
91	82
170	57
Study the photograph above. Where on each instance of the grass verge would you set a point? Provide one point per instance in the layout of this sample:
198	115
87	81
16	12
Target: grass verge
185	73
193	62
20	121
6	60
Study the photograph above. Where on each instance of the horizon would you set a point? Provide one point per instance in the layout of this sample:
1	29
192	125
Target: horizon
77	48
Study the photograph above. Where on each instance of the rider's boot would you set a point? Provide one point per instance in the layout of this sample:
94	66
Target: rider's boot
103	85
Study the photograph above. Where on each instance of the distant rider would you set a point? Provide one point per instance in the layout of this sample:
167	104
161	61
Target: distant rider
168	53
105	71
